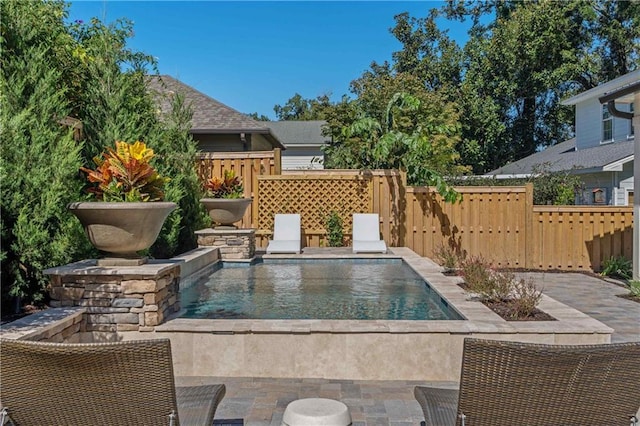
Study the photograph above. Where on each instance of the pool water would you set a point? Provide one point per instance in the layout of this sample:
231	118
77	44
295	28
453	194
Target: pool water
315	289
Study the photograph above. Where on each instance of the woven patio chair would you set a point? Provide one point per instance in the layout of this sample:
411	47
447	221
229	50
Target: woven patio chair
99	384
510	383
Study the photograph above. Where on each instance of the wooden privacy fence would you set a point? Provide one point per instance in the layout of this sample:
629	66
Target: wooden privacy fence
498	223
579	237
246	164
316	193
501	224
489	221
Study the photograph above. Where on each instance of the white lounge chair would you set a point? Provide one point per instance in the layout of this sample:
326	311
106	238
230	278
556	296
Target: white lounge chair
366	234
286	234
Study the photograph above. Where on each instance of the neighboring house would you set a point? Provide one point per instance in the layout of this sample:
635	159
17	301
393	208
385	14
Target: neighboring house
215	126
303	140
602	151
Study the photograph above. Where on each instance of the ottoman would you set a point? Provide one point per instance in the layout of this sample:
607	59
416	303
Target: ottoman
315	412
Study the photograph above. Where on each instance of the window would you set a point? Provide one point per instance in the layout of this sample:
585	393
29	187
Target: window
607	124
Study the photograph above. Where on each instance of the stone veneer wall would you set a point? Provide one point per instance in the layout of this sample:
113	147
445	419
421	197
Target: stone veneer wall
117	299
234	244
57	325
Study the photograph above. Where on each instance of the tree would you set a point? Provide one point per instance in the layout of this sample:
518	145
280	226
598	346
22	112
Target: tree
405	139
257	117
299	108
54	73
40	158
521	60
176	151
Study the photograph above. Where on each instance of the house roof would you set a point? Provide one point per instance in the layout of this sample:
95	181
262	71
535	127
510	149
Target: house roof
209	115
610	86
302	134
565	157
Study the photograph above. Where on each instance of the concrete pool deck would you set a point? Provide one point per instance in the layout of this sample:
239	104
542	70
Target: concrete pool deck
261	401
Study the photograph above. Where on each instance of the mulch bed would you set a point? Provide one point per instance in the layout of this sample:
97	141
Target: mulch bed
505	310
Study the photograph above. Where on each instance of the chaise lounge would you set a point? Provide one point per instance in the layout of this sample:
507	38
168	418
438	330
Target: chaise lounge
99	384
511	383
366	234
286	234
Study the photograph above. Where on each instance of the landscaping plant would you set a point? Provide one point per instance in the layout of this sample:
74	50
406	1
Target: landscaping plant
512	298
125	174
634	288
447	257
229	186
335	233
617	267
476	271
54	73
525	298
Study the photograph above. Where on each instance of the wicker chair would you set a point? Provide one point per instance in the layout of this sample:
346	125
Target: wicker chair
99	384
510	383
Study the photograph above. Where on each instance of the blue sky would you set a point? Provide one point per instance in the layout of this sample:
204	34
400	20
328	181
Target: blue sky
254	55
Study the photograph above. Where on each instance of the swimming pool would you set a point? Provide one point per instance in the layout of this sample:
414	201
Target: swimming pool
353	289
356	349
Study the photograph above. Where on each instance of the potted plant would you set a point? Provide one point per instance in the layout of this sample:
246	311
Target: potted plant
224	199
127	213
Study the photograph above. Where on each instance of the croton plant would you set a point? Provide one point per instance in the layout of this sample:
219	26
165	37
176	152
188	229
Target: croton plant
229	186
125	174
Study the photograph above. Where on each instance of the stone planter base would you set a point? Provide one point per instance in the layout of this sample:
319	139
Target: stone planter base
121	261
234	244
117	298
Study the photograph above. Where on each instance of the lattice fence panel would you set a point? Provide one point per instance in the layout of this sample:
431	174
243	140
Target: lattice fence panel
313	198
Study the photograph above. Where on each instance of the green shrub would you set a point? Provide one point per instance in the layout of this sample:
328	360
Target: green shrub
40	158
335	233
555	188
476	272
617	267
516	298
634	288
447	257
52	72
525	298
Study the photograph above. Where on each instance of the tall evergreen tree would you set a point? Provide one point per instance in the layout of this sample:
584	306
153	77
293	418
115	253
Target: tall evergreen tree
55	73
40	158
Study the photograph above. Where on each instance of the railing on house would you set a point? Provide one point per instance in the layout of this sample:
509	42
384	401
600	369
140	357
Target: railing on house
498	223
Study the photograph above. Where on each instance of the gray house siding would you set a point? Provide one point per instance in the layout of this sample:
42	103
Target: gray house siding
301	158
589	124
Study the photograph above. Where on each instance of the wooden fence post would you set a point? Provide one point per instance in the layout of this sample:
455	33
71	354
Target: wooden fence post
528	226
277	161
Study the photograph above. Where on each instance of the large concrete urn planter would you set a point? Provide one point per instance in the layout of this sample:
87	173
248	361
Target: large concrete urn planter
122	229
226	211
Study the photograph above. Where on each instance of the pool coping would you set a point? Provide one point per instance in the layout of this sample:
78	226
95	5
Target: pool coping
479	318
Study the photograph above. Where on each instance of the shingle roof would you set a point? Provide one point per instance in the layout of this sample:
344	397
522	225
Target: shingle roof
609	86
209	115
299	133
564	157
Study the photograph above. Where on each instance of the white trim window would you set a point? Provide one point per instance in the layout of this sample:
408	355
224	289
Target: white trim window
607	125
